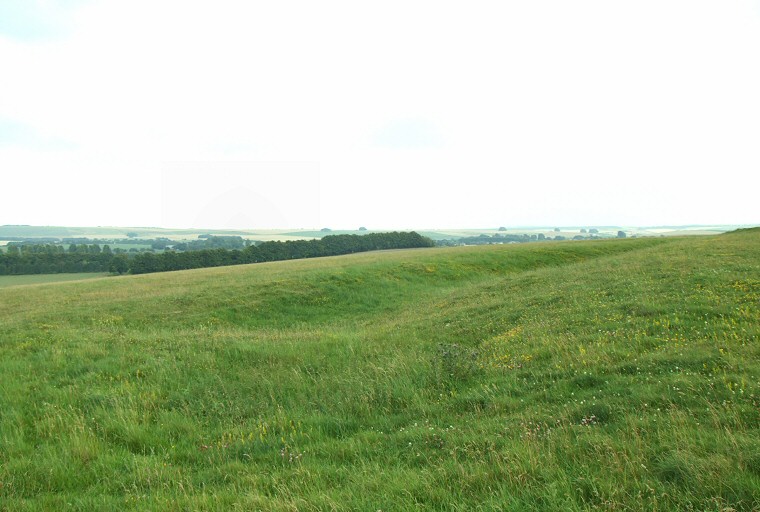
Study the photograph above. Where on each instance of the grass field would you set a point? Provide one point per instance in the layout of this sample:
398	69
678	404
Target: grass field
611	375
6	281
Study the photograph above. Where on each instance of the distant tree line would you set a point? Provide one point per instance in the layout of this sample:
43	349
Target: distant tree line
67	241
53	259
203	242
331	245
499	238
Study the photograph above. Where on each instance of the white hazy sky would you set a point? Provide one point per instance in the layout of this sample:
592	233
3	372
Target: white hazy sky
393	114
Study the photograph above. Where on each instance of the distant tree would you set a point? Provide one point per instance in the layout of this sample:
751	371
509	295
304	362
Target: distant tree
119	264
583	230
621	234
160	243
325	230
593	230
502	228
556	229
541	236
274	250
362	228
131	234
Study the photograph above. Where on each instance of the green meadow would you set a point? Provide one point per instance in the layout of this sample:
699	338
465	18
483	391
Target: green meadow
604	375
6	281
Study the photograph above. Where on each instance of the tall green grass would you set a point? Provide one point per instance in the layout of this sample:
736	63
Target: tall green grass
621	375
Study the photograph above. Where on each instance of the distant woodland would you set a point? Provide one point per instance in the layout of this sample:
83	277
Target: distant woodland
50	258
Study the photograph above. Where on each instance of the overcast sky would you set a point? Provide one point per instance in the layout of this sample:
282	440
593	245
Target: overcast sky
393	114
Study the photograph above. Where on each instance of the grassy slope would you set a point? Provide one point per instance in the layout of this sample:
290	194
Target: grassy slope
613	375
6	281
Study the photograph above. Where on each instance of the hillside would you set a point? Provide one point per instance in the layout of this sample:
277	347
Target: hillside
615	375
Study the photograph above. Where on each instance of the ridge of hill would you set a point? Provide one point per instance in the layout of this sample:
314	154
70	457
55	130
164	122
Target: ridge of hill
620	374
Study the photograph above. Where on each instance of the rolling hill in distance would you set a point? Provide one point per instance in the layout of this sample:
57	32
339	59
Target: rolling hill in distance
16	231
607	374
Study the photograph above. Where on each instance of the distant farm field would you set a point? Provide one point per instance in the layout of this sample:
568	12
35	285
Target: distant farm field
262	235
6	281
606	375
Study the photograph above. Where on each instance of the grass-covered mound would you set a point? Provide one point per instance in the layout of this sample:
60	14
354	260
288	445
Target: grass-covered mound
620	375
